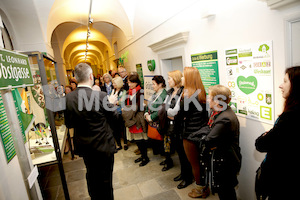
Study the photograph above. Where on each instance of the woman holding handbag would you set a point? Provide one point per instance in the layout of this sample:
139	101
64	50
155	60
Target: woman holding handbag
151	113
280	168
173	129
133	115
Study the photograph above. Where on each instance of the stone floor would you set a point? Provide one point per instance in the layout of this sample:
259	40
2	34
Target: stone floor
129	180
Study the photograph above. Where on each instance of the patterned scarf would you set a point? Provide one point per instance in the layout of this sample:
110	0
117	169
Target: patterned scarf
212	118
132	92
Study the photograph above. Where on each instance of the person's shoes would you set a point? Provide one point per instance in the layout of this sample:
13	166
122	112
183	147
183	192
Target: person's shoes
200	192
138	160
125	147
184	184
178	178
144	162
137	152
119	148
167	166
163	162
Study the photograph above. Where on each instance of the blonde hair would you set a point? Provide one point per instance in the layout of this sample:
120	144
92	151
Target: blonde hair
224	92
193	82
176	75
118	81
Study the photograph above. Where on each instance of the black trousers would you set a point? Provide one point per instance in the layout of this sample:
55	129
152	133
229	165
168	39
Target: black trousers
186	168
99	170
142	145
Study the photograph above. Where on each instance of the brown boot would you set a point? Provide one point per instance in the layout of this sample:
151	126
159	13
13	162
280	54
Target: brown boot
199	192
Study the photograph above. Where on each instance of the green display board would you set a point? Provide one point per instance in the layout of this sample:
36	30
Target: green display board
207	64
139	70
14	70
5	134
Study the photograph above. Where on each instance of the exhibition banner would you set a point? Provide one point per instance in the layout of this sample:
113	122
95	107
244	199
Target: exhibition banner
7	140
14	70
207	64
22	108
139	70
250	79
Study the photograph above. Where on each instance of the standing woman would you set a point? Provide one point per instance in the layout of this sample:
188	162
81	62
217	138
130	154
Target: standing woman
281	143
133	115
108	86
151	114
223	137
120	94
195	116
173	127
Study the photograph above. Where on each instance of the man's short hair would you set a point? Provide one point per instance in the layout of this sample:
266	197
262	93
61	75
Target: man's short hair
82	72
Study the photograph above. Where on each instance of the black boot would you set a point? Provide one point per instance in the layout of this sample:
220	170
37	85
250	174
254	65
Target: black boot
168	164
144	162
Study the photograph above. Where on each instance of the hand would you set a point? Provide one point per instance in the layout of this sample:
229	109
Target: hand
113	99
171	118
265	133
148	118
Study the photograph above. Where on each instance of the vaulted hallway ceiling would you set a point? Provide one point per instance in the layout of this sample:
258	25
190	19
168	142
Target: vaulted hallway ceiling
67	30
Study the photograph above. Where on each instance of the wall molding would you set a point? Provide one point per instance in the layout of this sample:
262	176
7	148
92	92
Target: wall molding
176	39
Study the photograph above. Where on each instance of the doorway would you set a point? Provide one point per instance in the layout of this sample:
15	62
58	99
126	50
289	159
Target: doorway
170	64
293	41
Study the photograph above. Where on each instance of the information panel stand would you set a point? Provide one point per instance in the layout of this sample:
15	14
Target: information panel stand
54	103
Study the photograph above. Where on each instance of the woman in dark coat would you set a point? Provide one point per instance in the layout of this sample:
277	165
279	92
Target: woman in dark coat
133	115
281	143
223	138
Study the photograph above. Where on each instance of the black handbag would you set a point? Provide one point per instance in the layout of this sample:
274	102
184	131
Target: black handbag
261	181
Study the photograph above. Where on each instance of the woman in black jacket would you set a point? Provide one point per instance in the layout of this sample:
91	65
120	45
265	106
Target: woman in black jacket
281	143
173	129
194	115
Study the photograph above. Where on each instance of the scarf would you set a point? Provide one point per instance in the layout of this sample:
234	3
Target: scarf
212	118
132	92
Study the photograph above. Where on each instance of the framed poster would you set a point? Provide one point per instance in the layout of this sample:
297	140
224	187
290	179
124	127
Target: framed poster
250	78
148	89
207	64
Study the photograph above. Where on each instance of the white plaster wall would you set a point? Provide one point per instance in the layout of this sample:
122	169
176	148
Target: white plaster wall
235	23
11	179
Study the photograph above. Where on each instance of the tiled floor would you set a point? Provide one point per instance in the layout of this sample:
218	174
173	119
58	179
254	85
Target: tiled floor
129	180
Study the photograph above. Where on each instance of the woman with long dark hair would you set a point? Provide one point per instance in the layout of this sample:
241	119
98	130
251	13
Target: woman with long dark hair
281	143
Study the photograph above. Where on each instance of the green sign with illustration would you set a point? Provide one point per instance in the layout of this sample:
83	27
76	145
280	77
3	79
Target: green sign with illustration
207	64
247	85
14	70
151	65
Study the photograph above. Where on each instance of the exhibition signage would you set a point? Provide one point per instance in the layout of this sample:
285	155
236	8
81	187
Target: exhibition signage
207	64
139	70
5	133
14	70
250	79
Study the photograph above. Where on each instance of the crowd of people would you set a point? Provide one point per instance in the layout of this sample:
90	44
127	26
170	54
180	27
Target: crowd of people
199	127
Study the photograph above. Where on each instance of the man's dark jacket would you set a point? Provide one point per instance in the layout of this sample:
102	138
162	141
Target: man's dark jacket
92	123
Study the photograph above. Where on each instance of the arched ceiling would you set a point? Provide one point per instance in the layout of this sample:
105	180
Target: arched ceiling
68	21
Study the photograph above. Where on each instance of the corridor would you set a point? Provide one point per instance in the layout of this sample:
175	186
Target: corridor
130	181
